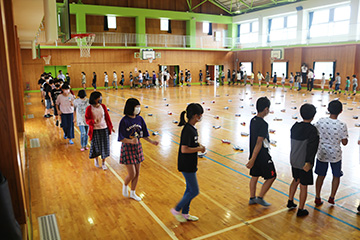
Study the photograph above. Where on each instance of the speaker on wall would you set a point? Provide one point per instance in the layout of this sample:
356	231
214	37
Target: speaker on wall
299	8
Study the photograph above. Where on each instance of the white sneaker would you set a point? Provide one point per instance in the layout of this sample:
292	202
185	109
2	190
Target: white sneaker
104	167
135	197
96	163
125	191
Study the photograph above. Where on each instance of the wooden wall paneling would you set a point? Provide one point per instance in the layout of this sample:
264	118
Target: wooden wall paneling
357	62
20	87
10	150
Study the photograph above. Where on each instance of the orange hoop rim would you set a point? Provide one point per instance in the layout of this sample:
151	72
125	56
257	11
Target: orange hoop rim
82	35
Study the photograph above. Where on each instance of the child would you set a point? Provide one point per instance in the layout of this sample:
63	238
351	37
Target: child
188	79
252	79
54	94
267	79
291	81
355	84
147	79
228	76
83	80
181	78
122	80
337	83
200	77
238	78
260	163
323	80
347	86
114	82
106	80
68	78
331	81
187	160
154	78
222	76
47	92
310	80
233	77
132	127
140	78
283	81
332	132
358	144
174	78
100	127
275	80
304	145
260	77
94	81
207	78
65	107
80	105
245	77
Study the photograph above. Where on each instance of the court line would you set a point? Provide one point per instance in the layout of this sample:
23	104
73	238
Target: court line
152	214
271	187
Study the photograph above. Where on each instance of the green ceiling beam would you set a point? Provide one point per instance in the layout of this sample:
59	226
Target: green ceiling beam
221	7
200	4
247	5
189	4
252	2
231	6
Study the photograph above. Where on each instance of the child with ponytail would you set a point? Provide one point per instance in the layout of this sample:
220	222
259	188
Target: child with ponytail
187	160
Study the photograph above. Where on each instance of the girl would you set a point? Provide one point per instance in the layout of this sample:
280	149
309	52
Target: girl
181	78
189	79
355	84
207	82
83	79
260	77
238	78
132	127
187	160
323	80
283	81
100	127
106	80
114	83
65	108
154	78
140	77
174	78
331	82
80	105
275	80
267	79
252	79
291	81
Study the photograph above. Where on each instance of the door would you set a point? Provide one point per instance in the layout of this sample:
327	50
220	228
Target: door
55	70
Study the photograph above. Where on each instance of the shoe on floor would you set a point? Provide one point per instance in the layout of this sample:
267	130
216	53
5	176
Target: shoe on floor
190	217
104	167
96	163
46	116
252	201
71	141
262	202
358	208
57	123
135	197
302	213
291	204
318	202
178	216
82	149
331	200
65	137
86	148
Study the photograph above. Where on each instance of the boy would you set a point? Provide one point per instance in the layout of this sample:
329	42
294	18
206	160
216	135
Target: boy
331	81
275	80
337	83
355	84
67	78
323	80
260	163
304	145
47	91
347	86
200	77
114	83
332	132
54	94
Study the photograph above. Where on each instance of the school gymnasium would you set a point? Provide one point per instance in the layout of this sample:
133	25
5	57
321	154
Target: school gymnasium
50	189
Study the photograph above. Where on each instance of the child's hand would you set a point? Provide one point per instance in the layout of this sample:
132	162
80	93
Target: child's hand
359	142
113	130
250	164
307	167
134	141
203	149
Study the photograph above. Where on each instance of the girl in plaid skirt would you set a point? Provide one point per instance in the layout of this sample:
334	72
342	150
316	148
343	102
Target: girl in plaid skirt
132	127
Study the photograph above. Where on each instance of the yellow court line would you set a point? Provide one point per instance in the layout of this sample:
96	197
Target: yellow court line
152	214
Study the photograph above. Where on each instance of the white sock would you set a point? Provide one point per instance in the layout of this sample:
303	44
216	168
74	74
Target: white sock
134	196
125	191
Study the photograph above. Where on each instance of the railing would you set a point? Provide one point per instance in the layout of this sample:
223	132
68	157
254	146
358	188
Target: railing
109	39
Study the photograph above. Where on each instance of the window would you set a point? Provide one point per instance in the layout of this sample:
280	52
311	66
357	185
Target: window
206	27
283	28
279	68
111	22
329	22
249	32
164	24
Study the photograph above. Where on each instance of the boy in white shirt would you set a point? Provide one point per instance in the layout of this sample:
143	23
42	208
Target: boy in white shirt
114	83
332	133
106	80
323	80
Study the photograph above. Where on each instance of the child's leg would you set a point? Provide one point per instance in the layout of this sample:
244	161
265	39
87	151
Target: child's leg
192	190
293	186
131	173
318	185
303	196
334	186
266	186
134	181
253	182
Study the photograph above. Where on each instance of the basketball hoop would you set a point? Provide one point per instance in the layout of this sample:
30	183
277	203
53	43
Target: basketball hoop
150	60
46	59
272	59
84	42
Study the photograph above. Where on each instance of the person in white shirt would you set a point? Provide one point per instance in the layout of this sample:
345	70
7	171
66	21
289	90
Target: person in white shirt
61	76
114	83
333	133
310	83
106	80
304	70
291	81
260	77
140	78
238	78
355	84
252	78
337	83
283	81
323	80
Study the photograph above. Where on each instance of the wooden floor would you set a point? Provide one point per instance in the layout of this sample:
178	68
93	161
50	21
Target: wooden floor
89	205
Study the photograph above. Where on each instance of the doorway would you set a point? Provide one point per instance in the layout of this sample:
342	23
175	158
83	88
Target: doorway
55	70
214	71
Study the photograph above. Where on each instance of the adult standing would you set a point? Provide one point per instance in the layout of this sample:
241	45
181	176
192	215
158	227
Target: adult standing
310	83
304	70
61	76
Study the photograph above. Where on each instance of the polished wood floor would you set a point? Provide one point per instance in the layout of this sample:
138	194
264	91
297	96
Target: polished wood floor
89	205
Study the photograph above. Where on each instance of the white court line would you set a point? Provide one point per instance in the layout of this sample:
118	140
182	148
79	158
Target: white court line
152	214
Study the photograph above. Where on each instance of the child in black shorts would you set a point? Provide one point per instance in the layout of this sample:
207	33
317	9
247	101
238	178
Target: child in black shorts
260	163
304	145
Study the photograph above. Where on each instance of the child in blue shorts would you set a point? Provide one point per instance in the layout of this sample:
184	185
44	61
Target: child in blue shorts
332	133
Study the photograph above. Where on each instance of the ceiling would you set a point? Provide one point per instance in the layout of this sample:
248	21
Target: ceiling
28	15
236	7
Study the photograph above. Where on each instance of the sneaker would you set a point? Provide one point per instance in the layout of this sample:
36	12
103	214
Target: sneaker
82	149
96	163
86	148
252	201
291	204
135	197
178	216
262	202
302	213
50	115
331	200
318	202
190	217
71	141
46	116
104	167
125	191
